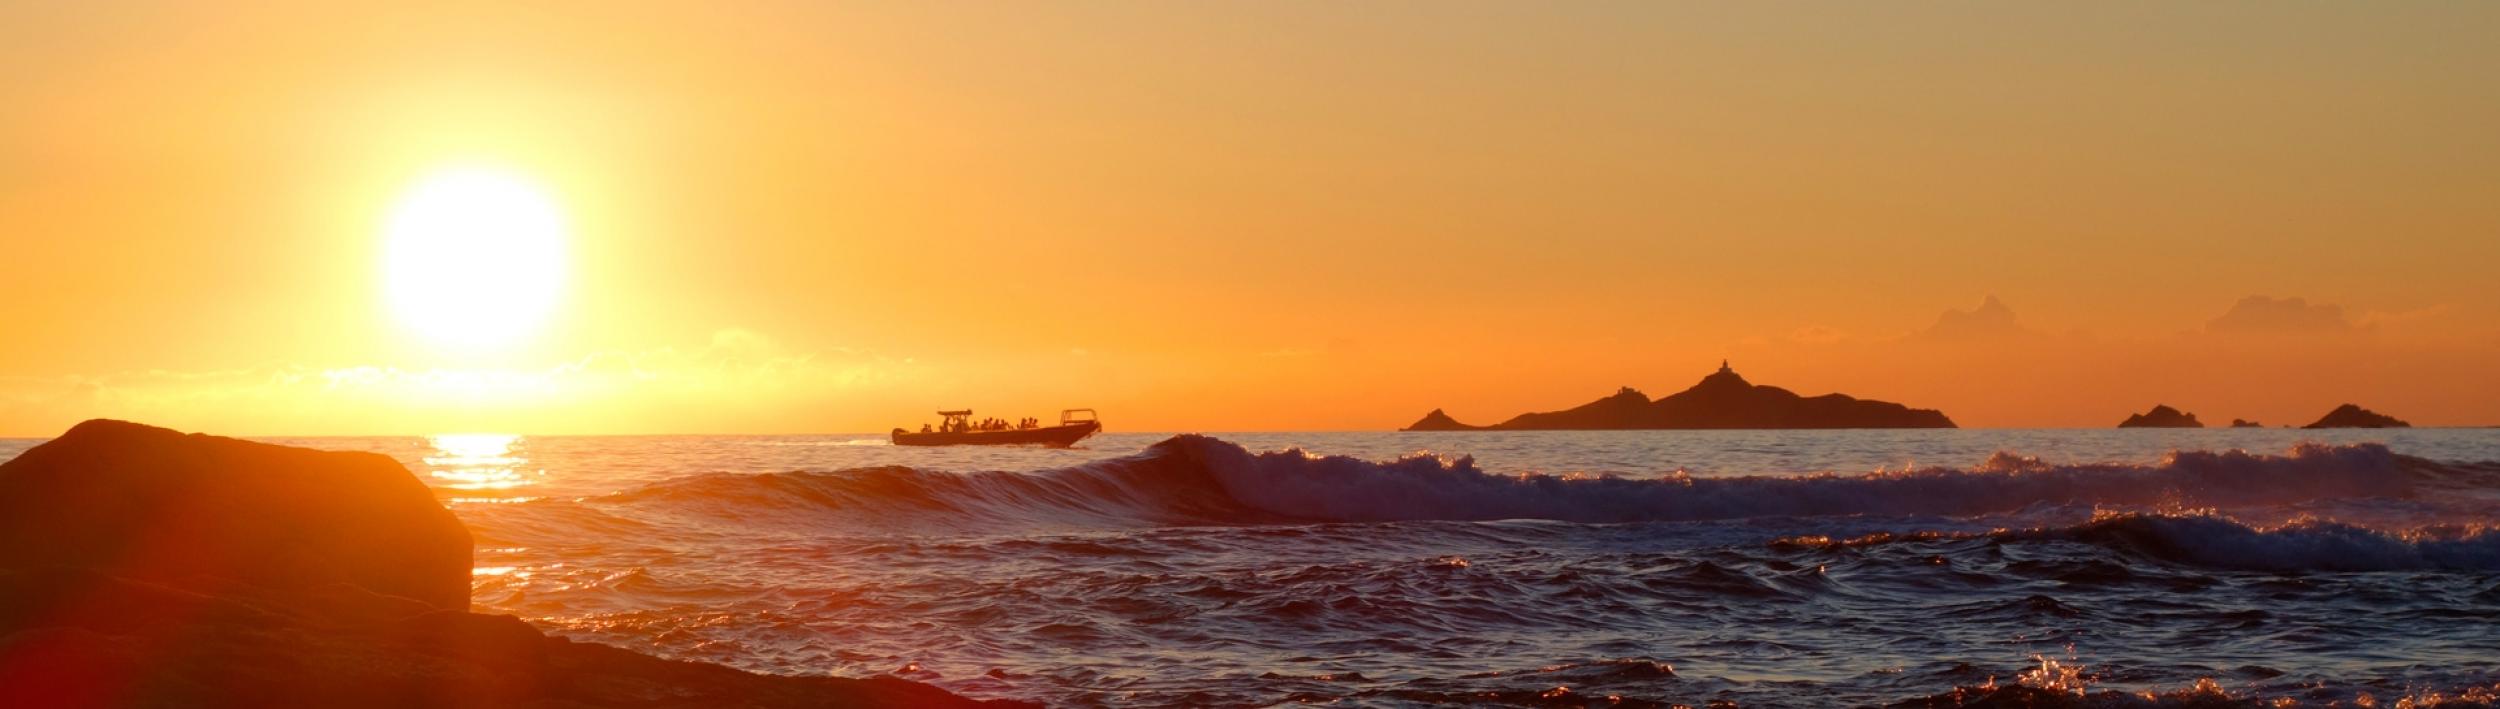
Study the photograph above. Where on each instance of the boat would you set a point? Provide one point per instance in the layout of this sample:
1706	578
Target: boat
957	430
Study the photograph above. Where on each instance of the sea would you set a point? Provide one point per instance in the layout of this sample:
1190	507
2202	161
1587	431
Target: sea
1624	568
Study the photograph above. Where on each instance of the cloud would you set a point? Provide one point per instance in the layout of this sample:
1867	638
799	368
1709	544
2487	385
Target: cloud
1990	321
2259	314
737	375
2375	319
1817	335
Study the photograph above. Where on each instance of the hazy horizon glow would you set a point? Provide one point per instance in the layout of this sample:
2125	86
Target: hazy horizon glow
1249	216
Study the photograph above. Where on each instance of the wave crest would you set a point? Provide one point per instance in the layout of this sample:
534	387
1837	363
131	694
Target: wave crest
1194	479
2216	541
2308	545
1142	490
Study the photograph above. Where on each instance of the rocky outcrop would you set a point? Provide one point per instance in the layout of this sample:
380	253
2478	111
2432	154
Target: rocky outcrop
141	567
1724	400
2245	423
155	505
1438	421
2351	416
2162	416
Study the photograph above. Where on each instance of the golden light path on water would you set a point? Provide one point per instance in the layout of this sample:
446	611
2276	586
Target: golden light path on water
489	463
485	466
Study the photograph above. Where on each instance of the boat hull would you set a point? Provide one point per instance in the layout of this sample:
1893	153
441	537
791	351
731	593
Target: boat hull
1052	436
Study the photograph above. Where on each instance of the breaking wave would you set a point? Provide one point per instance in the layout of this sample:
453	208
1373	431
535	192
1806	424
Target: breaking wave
1197	480
2216	541
2309	545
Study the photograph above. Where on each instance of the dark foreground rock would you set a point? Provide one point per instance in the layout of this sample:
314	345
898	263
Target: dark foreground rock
2162	416
1722	400
88	640
2351	416
151	504
95	613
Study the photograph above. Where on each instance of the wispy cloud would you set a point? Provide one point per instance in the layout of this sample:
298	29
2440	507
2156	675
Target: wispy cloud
735	371
1992	320
1817	335
2262	315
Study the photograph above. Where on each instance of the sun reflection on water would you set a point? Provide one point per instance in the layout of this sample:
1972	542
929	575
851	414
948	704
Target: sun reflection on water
479	462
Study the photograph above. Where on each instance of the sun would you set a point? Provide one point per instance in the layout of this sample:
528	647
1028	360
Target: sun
474	257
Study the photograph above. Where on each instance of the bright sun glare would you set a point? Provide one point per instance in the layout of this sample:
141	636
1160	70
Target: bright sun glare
474	257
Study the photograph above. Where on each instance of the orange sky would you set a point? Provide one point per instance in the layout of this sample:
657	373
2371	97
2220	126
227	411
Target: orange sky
1218	216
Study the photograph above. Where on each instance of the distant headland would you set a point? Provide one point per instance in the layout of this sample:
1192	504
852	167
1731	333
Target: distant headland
1722	400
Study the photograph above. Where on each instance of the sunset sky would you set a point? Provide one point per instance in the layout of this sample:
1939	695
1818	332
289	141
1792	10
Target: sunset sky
816	217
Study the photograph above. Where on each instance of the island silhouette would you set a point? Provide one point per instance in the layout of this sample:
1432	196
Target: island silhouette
2353	416
2162	416
1722	400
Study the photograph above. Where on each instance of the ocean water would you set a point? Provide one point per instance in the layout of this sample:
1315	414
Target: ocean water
1759	568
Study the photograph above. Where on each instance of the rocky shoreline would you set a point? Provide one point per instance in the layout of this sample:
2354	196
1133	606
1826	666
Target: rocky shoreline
143	567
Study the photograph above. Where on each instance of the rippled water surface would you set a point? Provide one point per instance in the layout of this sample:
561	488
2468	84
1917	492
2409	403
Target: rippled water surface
1807	568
